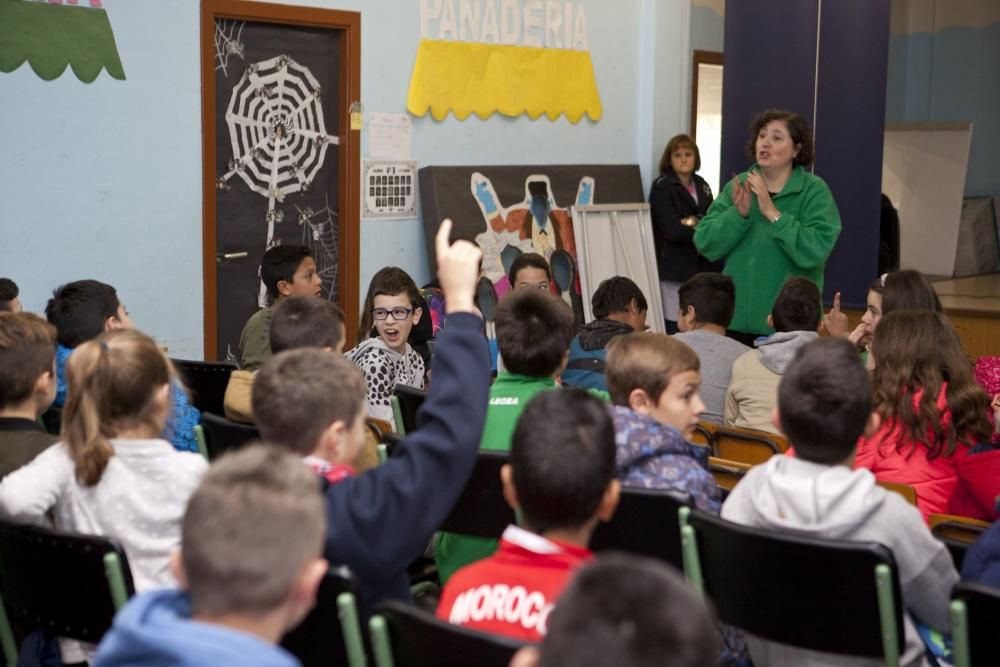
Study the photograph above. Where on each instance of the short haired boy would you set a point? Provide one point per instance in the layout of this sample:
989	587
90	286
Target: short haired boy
706	309
533	331
619	307
388	359
627	611
530	270
84	309
824	406
381	520
9	300
298	321
654	382
249	567
561	482
285	270
27	387
753	388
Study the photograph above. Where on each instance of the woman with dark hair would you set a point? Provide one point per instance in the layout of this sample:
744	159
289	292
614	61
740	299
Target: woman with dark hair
678	199
772	222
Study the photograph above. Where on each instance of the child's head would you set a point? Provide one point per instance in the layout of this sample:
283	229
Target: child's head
909	290
289	270
620	299
561	474
27	355
706	298
655	375
307	321
392	307
873	308
119	381
798	306
311	402
825	401
9	292
252	538
917	352
534	330
628	611
83	309
530	270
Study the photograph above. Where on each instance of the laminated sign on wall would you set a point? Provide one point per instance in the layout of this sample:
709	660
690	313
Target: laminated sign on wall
390	189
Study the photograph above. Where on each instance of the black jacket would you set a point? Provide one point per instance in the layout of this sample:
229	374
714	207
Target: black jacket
670	202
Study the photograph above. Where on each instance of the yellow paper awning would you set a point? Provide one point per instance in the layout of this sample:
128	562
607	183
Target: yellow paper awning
471	77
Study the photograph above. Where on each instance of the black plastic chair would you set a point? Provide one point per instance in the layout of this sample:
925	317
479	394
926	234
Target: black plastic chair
405	636
975	609
823	595
206	380
481	510
52	420
408	401
63	584
646	523
223	435
331	633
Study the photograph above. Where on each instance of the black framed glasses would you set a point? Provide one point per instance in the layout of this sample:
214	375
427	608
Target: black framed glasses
398	314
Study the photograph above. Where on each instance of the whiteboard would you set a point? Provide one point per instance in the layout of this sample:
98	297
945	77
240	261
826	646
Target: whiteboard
923	173
617	240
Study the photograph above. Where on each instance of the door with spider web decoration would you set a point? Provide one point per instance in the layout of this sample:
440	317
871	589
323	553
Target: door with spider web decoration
280	162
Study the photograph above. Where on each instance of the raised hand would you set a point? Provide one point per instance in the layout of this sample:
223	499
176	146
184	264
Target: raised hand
835	322
741	197
458	269
758	186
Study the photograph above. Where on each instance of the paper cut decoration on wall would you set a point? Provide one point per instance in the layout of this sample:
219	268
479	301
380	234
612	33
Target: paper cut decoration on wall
50	35
470	77
278	136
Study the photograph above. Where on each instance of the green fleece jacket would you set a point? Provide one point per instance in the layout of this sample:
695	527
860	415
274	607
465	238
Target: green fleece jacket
761	255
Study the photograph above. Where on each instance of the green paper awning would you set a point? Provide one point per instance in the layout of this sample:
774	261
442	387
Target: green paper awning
50	37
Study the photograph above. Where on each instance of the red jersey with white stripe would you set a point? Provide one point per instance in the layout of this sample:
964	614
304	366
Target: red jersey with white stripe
513	591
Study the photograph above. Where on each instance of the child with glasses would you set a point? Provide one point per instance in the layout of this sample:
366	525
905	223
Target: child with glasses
387	358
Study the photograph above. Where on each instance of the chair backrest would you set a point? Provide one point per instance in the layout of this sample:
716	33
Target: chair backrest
410	400
727	474
65	584
645	523
958	533
746	445
975	609
405	636
481	510
703	433
904	490
331	633
799	590
206	380
222	435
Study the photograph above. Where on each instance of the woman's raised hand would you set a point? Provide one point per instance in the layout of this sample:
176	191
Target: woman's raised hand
741	197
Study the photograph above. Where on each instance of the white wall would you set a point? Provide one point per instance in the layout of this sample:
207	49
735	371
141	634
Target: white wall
104	180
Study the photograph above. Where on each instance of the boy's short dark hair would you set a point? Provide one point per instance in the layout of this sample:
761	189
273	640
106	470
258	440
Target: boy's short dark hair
534	330
528	259
306	321
8	292
629	611
391	281
251	526
27	349
646	361
713	296
797	307
79	310
562	457
824	400
280	263
614	296
298	394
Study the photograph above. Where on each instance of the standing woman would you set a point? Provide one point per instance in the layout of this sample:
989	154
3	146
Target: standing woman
678	200
772	222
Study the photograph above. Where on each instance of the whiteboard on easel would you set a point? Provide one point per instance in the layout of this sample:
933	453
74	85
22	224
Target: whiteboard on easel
617	240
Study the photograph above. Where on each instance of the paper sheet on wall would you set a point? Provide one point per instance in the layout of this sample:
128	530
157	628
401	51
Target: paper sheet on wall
389	189
388	136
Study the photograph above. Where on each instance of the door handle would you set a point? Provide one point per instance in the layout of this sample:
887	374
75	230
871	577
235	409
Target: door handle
228	256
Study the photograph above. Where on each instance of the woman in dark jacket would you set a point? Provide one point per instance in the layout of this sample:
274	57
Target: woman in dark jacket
678	199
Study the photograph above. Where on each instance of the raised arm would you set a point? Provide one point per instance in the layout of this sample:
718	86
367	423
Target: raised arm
725	224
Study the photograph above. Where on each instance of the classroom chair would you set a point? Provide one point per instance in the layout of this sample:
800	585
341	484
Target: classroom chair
727	473
746	445
222	435
481	510
958	534
331	633
765	582
645	523
703	433
405	402
975	609
63	584
405	636
905	490
206	380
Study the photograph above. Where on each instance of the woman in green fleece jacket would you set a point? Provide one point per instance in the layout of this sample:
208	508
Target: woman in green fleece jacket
772	222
